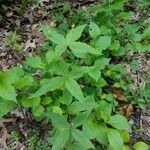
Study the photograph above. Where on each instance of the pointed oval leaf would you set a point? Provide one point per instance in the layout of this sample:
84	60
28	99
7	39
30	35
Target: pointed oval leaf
52	35
82	138
119	122
53	84
103	42
5	107
115	140
75	89
61	140
94	30
81	49
7	91
141	146
74	34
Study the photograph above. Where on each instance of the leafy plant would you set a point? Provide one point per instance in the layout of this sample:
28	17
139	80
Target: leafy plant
69	92
68	86
13	41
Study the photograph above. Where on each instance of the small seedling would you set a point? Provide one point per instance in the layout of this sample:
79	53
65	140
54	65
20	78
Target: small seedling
13	41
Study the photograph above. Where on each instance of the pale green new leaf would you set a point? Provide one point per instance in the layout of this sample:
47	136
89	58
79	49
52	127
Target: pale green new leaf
53	84
115	140
74	88
52	35
141	146
94	30
74	34
119	122
82	138
61	139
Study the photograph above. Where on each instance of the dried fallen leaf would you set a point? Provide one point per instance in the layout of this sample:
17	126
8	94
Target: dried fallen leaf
29	44
119	94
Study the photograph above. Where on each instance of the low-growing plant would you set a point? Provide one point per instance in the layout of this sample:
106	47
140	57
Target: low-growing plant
69	85
66	87
13	41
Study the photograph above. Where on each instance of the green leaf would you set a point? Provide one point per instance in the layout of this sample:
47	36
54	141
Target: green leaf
115	140
80	118
7	91
50	56
57	110
95	74
61	139
95	131
115	45
46	100
53	84
67	97
74	88
74	34
101	62
104	107
141	146
59	49
52	35
13	74
80	71
58	68
80	106
58	120
119	122
30	102
103	42
23	82
80	49
81	138
38	111
5	107
35	62
125	136
94	30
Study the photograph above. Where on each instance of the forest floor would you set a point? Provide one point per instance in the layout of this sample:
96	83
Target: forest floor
18	127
